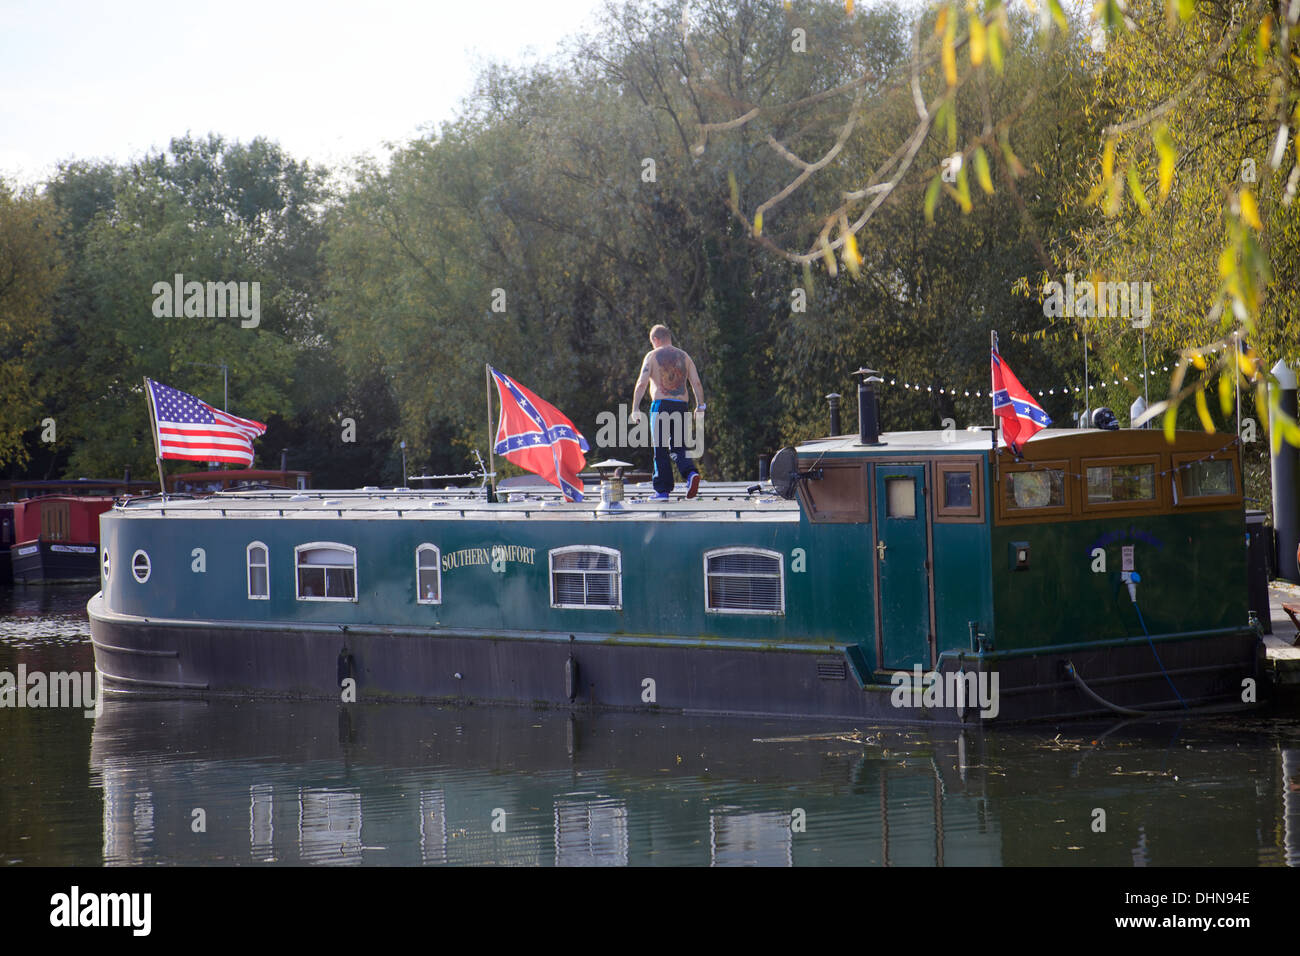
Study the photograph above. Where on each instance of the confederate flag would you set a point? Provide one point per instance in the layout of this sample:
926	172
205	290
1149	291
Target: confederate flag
1021	415
535	435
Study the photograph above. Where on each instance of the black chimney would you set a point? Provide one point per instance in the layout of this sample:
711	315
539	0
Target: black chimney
834	400
284	459
868	410
764	466
126	480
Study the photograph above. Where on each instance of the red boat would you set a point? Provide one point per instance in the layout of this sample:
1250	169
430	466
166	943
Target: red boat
56	538
51	531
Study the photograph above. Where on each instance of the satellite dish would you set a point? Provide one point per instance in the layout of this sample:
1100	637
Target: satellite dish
784	472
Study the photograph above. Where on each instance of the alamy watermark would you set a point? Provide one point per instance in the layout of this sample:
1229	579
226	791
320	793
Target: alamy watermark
632	429
956	689
1087	299
39	689
131	911
208	300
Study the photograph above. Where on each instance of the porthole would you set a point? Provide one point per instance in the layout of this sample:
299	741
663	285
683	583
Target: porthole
107	565
140	567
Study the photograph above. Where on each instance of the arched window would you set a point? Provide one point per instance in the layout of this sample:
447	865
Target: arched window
744	581
327	571
428	574
259	572
586	576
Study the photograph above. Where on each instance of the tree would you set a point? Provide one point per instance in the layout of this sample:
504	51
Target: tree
30	271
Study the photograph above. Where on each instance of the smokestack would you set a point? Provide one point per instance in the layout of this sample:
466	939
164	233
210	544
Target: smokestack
764	465
284	459
833	399
868	409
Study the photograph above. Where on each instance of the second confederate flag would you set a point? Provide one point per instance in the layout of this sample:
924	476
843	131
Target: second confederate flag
535	435
1022	417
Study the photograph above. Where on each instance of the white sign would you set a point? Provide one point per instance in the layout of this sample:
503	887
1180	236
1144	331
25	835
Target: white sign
1126	557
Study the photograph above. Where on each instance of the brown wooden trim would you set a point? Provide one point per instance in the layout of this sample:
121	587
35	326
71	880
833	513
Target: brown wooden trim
1188	502
1052	513
1158	504
1118	447
839	515
975	513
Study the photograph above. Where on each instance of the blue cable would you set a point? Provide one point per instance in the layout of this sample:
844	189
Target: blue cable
1157	654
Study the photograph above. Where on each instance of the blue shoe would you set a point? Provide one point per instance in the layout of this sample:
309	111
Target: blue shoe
693	488
661	496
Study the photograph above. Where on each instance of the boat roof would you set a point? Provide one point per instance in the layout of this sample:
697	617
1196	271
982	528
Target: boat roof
717	501
1045	443
893	442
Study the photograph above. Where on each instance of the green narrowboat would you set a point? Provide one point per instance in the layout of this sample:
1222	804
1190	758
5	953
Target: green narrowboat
897	577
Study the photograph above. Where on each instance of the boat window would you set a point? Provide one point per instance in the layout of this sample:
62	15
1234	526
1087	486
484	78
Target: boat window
259	584
1040	488
1134	481
1207	479
140	566
839	495
326	572
428	575
107	565
586	576
900	497
960	495
744	581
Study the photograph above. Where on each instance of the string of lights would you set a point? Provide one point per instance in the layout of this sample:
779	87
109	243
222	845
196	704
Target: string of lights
897	380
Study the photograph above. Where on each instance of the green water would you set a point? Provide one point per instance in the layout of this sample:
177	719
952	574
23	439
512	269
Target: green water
275	782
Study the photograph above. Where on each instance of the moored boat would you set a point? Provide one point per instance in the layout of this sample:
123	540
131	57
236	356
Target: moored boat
902	577
56	538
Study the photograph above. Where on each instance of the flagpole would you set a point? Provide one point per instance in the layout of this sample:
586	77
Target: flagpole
492	462
993	343
153	426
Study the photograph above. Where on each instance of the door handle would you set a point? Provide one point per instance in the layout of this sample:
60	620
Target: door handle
880	550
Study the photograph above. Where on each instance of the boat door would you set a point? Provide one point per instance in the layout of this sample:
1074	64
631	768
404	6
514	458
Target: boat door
902	560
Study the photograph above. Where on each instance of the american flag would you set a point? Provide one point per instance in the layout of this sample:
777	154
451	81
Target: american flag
193	429
534	434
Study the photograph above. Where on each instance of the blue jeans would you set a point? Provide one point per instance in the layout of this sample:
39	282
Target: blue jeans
663	476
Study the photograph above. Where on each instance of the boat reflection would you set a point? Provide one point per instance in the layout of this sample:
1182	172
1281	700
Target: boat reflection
226	782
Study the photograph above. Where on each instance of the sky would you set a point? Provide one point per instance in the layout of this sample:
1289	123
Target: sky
328	80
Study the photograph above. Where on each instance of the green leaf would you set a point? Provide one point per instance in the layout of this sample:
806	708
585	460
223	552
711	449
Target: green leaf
1227	394
995	48
1135	189
1168	156
932	196
963	190
1058	15
1203	411
982	170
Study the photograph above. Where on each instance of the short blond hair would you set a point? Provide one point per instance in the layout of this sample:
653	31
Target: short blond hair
660	333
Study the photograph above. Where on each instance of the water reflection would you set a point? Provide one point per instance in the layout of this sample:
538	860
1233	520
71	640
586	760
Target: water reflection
325	784
274	782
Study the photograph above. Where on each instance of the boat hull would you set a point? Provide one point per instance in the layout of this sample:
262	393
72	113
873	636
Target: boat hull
142	656
45	562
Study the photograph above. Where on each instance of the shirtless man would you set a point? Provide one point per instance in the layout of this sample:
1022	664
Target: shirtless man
667	370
